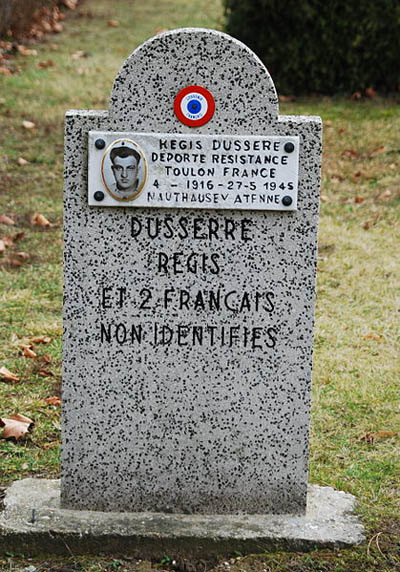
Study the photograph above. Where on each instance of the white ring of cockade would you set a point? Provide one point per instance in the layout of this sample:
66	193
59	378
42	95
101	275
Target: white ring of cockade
194	105
138	149
198	98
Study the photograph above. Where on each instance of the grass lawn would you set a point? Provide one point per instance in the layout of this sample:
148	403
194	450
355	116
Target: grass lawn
354	445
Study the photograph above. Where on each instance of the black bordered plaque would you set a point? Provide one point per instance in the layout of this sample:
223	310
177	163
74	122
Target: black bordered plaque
193	171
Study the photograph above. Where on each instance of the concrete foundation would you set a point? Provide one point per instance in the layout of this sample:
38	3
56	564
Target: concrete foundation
33	523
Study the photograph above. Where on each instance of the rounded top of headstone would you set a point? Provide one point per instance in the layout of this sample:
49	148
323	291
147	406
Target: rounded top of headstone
144	90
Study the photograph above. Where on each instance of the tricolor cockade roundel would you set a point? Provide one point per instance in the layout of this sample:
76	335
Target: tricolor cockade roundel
194	105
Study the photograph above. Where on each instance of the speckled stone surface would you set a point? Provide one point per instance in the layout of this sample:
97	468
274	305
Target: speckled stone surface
215	428
34	523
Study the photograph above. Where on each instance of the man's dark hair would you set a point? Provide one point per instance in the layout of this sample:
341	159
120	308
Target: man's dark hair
123	152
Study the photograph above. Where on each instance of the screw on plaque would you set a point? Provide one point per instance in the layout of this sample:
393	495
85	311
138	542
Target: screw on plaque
287	201
289	147
98	195
99	143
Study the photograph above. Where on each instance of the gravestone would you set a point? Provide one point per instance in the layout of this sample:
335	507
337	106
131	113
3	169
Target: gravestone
191	212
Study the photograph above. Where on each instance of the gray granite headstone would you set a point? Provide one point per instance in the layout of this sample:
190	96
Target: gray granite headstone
188	330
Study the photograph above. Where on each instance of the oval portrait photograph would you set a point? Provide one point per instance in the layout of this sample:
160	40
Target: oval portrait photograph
124	169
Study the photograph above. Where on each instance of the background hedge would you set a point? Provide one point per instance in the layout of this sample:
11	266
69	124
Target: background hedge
322	46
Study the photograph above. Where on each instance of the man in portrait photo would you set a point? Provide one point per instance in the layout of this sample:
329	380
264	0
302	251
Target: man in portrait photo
125	167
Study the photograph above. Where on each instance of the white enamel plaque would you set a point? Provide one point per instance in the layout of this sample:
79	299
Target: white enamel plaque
193	171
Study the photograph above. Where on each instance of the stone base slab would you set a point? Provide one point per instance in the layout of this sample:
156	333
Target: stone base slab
33	523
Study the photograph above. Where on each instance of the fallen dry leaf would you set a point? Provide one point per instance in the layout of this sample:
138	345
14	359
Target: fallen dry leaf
336	179
4	219
10	239
162	30
371	437
45	64
79	55
53	400
13	262
46	26
50	445
359	200
350	154
356	178
40	340
70	4
328	123
37	33
7	240
24	51
356	96
385	195
4	71
370	92
16	427
57	28
8	375
45	373
22	162
2	246
17	236
46	358
113	23
378	151
28	352
372	336
40	220
28	124
22	255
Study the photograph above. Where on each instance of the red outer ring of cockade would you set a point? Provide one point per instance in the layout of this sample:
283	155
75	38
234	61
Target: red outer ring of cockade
196	89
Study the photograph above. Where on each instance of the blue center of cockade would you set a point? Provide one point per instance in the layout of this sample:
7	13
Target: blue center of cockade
194	106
